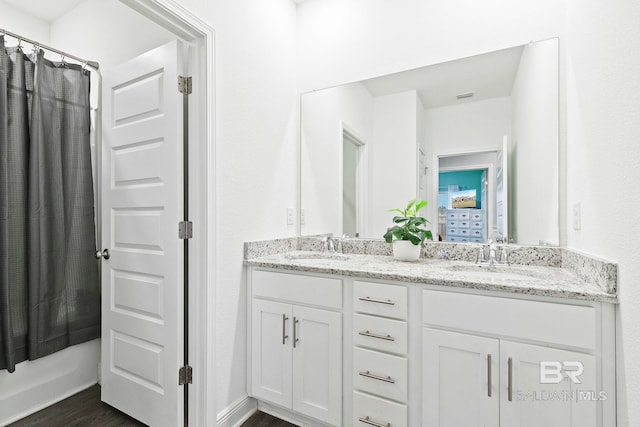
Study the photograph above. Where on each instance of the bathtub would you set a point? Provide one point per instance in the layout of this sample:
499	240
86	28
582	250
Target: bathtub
40	383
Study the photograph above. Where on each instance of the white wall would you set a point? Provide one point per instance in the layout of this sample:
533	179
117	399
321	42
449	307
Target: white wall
470	126
602	88
534	146
19	22
358	39
106	31
393	158
321	157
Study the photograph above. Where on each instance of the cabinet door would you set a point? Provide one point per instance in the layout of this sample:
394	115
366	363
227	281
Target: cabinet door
271	352
317	364
460	380
550	401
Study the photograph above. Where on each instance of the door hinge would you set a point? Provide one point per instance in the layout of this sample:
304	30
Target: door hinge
185	375
185	85
185	230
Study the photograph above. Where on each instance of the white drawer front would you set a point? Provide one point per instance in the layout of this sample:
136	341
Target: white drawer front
380	299
380	374
452	223
463	223
370	409
477	224
563	324
452	232
464	215
476	233
380	334
312	290
475	216
452	215
464	231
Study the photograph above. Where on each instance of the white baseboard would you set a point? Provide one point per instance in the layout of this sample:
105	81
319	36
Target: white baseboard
237	413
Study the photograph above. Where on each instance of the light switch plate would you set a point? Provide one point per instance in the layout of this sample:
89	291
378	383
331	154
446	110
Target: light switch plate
291	212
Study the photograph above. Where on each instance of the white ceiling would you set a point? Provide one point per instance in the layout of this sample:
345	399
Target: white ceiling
47	10
489	75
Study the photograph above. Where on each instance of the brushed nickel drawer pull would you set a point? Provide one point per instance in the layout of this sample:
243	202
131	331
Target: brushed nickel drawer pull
295	331
510	379
489	375
284	328
379	301
367	420
380	337
386	379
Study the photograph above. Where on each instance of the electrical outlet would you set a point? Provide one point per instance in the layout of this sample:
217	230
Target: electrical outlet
577	219
302	216
291	212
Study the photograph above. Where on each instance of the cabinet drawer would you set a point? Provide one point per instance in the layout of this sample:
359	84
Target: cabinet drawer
476	216
561	324
380	299
464	215
380	374
477	224
370	409
452	232
452	215
464	231
476	233
297	288
463	223
452	223
379	333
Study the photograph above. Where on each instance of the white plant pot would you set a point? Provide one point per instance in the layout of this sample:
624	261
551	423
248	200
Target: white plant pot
404	250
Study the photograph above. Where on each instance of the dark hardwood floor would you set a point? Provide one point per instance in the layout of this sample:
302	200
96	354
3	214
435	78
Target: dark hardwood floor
86	409
82	409
260	419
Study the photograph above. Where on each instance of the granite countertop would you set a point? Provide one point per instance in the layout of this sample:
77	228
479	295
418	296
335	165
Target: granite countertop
518	279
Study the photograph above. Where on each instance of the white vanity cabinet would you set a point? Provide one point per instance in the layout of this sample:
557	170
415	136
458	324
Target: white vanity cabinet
296	343
331	350
482	357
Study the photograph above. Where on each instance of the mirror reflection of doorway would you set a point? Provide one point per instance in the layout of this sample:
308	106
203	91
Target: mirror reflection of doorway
463	205
351	184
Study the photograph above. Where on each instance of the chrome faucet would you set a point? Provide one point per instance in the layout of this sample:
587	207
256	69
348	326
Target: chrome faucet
329	244
497	255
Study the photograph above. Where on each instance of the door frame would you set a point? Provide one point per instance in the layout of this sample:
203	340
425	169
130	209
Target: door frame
491	180
188	27
361	172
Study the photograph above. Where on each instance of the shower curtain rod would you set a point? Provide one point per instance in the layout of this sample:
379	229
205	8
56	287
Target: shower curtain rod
92	64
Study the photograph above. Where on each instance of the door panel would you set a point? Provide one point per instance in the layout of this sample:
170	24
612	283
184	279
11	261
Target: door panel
456	380
537	404
271	337
317	364
142	303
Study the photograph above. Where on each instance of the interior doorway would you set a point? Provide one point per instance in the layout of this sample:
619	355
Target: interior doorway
352	183
199	174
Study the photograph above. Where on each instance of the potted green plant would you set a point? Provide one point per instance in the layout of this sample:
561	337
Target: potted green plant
408	234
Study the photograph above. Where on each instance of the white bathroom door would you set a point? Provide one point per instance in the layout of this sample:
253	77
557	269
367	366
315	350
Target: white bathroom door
142	203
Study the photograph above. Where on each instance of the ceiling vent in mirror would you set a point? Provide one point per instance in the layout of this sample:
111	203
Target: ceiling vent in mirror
465	95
